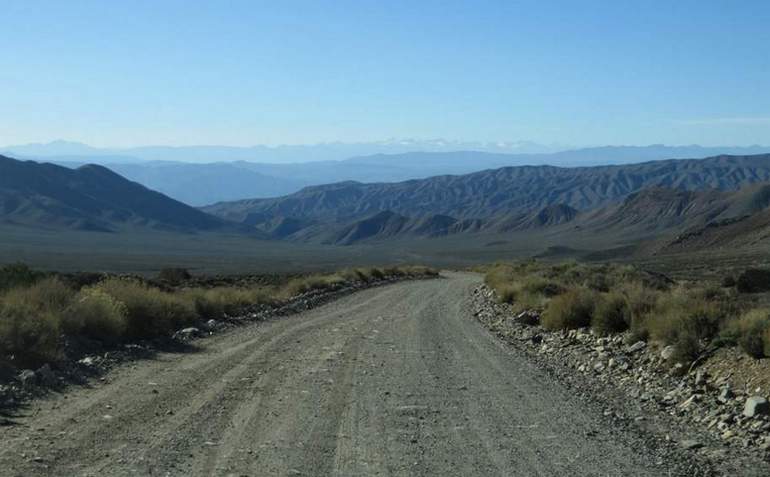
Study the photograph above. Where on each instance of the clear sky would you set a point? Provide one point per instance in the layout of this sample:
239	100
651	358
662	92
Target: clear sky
582	72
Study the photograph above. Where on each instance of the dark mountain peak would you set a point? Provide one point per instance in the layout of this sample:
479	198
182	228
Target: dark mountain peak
91	197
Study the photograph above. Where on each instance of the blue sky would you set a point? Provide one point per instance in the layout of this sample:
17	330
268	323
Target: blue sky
124	73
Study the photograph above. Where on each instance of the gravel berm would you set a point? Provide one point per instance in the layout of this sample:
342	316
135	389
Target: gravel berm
394	380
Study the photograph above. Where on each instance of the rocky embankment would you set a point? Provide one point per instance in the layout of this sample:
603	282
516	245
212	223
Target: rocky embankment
688	409
87	359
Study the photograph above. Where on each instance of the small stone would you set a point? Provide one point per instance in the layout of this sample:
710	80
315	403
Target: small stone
187	333
88	361
668	352
756	405
700	377
725	394
689	401
691	444
638	346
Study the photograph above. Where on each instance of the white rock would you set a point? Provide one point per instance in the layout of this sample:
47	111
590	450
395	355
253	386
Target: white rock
755	406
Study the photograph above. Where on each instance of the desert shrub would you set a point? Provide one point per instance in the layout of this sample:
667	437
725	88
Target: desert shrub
612	314
298	286
598	282
96	314
506	293
541	286
751	332
356	274
418	271
728	281
686	321
174	275
18	275
641	303
48	294
220	301
572	309
753	280
150	311
30	320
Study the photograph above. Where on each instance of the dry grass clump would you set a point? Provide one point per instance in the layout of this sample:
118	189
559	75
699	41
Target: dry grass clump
30	320
519	286
751	331
149	311
612	314
616	298
685	319
299	286
35	311
220	301
641	302
572	309
96	314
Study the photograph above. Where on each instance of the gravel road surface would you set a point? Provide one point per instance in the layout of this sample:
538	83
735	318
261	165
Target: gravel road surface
394	380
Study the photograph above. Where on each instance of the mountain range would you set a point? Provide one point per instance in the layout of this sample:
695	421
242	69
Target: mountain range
238	176
676	205
280	154
625	201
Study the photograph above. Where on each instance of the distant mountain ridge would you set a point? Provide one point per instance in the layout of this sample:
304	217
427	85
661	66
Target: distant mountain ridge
201	181
279	154
633	201
91	198
504	192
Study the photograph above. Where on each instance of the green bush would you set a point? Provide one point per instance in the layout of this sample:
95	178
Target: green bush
612	314
174	276
150	311
96	314
753	280
572	309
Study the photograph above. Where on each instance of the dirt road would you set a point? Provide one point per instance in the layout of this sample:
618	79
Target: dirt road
396	380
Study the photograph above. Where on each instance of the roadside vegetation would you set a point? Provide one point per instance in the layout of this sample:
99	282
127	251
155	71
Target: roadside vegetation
693	318
39	311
